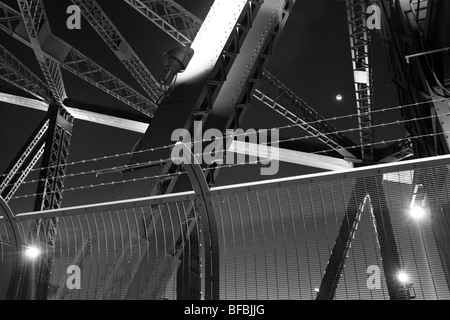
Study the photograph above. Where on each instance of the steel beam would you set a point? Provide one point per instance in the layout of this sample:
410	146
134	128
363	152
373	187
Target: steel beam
16	73
183	26
50	141
407	27
289	156
38	28
394	152
365	189
77	63
271	91
196	96
50	191
106	29
170	17
15	255
22	165
209	226
362	73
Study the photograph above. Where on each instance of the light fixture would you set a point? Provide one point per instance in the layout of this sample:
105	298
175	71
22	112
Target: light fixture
175	61
402	277
417	212
339	97
32	252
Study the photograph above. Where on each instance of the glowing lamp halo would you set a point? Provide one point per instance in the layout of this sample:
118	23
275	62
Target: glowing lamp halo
32	252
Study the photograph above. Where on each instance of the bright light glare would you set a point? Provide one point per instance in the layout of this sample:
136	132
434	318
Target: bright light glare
316	289
402	277
32	252
417	212
339	97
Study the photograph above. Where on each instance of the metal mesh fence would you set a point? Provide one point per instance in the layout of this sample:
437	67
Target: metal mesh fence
137	250
276	238
9	255
279	239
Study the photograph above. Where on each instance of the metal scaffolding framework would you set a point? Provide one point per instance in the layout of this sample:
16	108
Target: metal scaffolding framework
185	245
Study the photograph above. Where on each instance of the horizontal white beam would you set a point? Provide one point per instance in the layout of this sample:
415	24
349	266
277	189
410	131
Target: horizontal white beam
110	121
290	156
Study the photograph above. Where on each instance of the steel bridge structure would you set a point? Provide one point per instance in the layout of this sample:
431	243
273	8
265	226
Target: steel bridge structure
171	232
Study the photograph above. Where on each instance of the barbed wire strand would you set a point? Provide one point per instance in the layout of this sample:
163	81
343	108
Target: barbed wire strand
162	161
99	185
243	134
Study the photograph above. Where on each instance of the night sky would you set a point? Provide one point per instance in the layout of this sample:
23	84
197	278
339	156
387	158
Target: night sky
312	58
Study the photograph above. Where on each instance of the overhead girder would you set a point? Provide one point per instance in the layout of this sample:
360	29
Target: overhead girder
417	28
277	96
190	98
49	196
394	152
170	17
50	141
37	26
98	19
77	63
182	25
405	27
253	25
366	189
16	73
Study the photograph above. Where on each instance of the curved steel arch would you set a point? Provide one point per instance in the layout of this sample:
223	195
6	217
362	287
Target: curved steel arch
16	242
209	225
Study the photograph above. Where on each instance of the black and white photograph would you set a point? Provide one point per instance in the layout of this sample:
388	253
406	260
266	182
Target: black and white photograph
225	153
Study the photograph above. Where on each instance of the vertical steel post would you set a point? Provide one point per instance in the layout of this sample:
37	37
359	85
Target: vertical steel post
50	191
365	188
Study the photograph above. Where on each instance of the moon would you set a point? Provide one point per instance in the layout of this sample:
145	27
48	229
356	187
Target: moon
339	97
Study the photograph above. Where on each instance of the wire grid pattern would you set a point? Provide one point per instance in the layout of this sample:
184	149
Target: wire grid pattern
130	251
275	242
6	251
275	238
5	238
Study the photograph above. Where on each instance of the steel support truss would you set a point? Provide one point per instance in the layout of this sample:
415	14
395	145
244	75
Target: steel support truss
52	142
170	17
359	45
16	73
207	95
183	26
118	44
24	162
15	255
37	26
72	60
367	190
408	27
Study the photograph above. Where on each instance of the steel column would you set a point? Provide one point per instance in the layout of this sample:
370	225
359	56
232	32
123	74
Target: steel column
209	225
17	254
51	182
366	188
